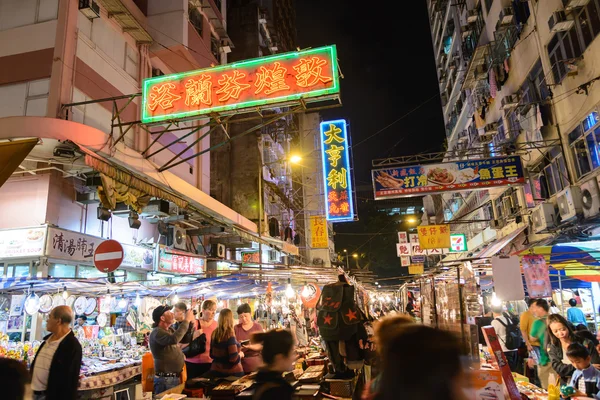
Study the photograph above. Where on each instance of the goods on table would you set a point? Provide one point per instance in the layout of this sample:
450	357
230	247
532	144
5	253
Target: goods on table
531	391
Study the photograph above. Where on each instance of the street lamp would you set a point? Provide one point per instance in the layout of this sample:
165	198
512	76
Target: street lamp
411	220
355	255
347	265
295	159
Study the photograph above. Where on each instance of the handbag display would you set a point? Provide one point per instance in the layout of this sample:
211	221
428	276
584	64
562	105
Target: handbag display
196	346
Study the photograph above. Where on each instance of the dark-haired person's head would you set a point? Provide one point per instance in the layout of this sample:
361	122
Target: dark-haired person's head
540	307
573	303
14	379
179	311
579	356
530	302
388	327
244	314
559	328
417	345
278	349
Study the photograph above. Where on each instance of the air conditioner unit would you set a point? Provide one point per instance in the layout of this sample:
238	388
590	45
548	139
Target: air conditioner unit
179	238
573	4
89	8
507	16
221	250
510	101
559	22
542	217
491	128
569	203
590	198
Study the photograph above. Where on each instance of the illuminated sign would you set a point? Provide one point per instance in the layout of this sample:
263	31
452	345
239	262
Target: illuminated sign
318	232
252	83
336	171
419	180
434	237
458	243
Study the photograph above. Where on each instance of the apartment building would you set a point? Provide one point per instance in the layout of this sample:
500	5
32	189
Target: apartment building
517	78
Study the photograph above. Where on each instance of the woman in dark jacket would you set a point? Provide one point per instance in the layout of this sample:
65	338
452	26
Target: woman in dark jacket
561	335
278	355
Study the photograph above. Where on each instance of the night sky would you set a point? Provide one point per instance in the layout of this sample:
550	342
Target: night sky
388	66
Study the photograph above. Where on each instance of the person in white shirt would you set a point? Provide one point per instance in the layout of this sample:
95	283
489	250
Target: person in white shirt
55	369
500	322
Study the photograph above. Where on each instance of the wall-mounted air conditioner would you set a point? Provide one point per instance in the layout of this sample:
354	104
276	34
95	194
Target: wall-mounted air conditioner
543	217
590	198
179	238
574	4
486	137
507	16
559	21
273	256
472	16
569	203
491	128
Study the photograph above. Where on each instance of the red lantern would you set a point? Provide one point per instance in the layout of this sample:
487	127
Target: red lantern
310	295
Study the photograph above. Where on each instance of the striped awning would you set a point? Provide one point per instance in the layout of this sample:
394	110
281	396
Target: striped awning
127	178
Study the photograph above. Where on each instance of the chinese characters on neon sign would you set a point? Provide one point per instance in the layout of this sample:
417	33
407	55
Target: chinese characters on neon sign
336	171
253	83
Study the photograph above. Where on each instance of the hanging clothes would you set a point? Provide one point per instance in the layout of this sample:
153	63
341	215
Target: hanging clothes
479	122
506	66
493	86
288	234
538	119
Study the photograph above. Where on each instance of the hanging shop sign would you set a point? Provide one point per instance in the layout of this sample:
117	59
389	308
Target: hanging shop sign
20	243
108	256
537	276
308	74
138	257
508	283
405	261
71	246
434	236
416	269
418	180
336	171
458	243
402	237
250	258
178	262
318	232
403	249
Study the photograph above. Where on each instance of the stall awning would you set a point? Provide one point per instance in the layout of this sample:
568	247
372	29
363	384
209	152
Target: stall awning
494	248
12	155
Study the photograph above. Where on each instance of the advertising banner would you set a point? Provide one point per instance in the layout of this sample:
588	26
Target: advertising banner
178	262
20	243
250	258
276	79
416	269
508	283
318	232
419	180
434	236
537	276
337	180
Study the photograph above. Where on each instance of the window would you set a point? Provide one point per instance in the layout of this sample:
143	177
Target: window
197	20
534	88
17	271
89	273
585	141
214	47
61	271
551	177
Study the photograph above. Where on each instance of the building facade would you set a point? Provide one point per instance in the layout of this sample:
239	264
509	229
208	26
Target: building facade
517	78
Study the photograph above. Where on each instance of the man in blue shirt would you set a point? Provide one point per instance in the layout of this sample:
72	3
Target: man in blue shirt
575	315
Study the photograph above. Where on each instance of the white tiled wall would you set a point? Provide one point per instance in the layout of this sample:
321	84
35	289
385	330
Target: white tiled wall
15	13
28	98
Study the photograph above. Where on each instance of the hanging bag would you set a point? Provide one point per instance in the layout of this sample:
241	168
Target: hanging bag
196	346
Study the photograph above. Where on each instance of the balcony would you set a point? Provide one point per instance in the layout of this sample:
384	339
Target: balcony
129	17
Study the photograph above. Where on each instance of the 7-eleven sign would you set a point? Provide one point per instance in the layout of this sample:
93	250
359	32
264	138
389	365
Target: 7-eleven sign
458	243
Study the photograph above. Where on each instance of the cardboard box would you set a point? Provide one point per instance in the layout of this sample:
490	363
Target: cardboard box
486	384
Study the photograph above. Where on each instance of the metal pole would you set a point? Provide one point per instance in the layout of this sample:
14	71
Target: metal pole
347	266
562	302
593	306
462	316
260	200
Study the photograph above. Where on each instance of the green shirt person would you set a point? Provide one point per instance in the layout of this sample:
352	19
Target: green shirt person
540	309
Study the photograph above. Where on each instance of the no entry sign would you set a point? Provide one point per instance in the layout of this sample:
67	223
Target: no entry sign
108	256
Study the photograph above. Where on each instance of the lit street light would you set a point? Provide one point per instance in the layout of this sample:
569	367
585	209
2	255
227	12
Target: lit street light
355	255
295	159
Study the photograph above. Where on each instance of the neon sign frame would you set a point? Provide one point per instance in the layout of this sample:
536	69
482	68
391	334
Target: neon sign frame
325	83
340	166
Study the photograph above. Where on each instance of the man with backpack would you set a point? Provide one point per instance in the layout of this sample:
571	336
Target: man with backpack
509	333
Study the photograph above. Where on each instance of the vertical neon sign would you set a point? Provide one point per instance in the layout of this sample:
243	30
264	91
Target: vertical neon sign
336	171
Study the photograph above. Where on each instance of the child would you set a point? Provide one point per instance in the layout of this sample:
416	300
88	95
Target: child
586	378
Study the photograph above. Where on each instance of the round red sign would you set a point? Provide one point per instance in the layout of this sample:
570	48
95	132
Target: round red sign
108	256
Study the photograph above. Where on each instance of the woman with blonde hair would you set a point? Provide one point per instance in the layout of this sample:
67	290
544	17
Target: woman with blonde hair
225	349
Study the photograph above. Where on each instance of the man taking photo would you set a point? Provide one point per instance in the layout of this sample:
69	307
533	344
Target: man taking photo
168	357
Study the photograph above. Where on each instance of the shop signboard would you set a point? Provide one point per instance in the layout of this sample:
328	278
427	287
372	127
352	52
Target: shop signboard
178	262
405	261
434	236
458	243
413	237
402	237
416	269
337	180
403	249
318	232
419	180
72	246
537	276
250	258
279	79
22	243
138	257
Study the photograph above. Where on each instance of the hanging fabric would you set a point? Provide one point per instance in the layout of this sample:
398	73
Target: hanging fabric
479	122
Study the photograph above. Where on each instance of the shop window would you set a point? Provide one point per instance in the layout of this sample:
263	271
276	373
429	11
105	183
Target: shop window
89	273
585	141
17	270
61	271
552	175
